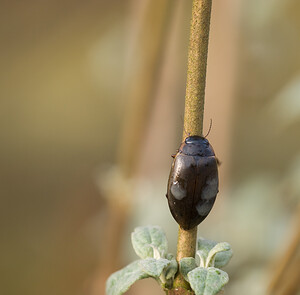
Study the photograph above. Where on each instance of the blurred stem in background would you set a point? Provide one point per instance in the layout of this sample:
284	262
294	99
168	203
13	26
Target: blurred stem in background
286	276
148	48
194	110
143	82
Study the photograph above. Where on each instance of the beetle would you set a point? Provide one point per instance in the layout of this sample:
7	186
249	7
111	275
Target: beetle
193	182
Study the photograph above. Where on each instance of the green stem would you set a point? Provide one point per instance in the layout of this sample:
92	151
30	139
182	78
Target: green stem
193	115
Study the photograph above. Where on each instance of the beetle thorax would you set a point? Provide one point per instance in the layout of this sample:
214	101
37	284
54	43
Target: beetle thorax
196	146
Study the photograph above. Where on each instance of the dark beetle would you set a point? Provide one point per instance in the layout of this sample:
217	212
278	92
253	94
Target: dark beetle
193	182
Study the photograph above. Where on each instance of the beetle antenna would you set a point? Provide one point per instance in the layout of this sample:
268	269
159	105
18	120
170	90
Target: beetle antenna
209	128
185	133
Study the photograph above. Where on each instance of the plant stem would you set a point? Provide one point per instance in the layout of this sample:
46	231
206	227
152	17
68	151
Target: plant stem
196	72
186	247
193	115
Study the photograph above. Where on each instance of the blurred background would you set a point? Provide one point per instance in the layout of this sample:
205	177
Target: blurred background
92	98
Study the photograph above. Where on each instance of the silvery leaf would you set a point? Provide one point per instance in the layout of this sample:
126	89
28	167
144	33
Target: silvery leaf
204	246
171	270
207	281
215	257
149	242
154	267
186	265
120	281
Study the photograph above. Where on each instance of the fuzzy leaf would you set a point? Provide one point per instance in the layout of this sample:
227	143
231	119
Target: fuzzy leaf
149	242
217	250
171	270
170	256
222	258
207	281
120	281
204	246
186	265
154	267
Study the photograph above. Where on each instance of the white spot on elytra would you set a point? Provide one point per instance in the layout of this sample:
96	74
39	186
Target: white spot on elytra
210	190
178	191
203	209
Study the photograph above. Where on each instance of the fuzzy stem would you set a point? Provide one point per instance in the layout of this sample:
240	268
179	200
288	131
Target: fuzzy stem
196	73
186	247
194	111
